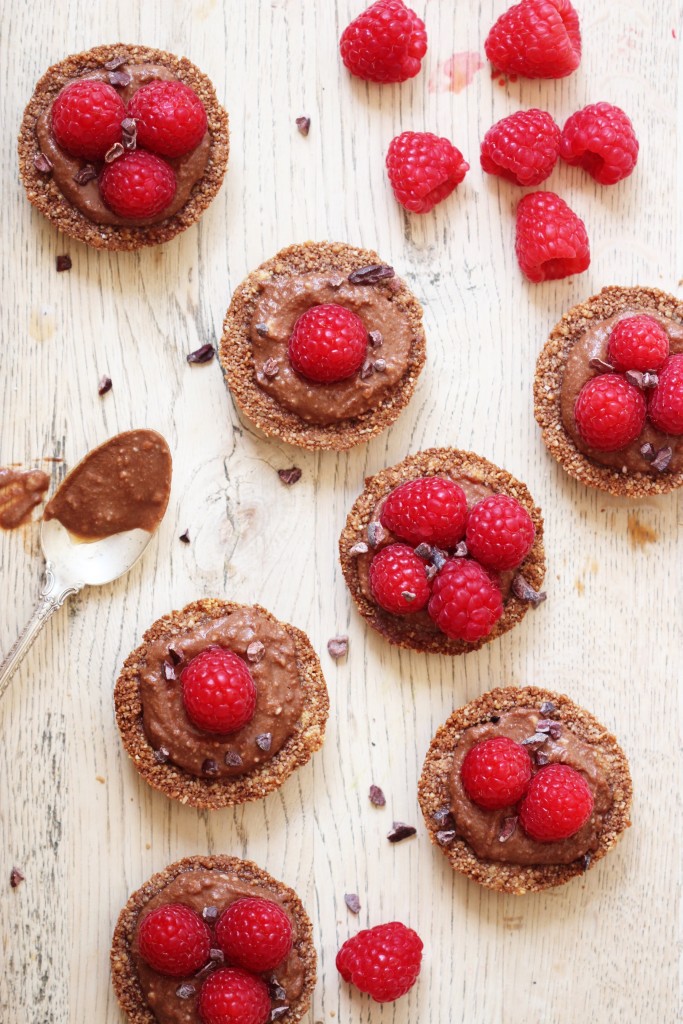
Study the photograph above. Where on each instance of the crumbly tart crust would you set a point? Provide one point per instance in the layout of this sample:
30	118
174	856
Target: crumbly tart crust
179	784
123	973
434	793
548	387
238	364
46	196
396	629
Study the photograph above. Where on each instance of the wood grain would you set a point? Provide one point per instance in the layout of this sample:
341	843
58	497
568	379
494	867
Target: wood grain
73	814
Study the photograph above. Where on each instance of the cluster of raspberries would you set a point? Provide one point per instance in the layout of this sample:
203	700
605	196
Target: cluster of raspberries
450	556
535	39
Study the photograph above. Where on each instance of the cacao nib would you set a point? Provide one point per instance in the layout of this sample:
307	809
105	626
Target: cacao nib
601	365
446	836
162	755
262	330
277	993
376	533
649	452
366	370
547	707
541	759
662	459
400	831
210	767
63	263
304	125
439	558
444	817
217	955
278	1012
15	878
204	354
525	592
174	656
119	79
114	153
169	670
42	163
509	826
352	902
129	129
408	595
264	740
270	368
210	914
290	476
376	339
185	991
424	551
360	548
338	647
538	737
586	861
377	797
185	537
232	759
460	550
641	380
115	63
104	385
256	652
373	274
86	174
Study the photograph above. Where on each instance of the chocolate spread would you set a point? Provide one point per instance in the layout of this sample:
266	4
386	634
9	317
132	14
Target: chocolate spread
593	345
86	198
482	829
122	485
20	491
281	303
197	890
279	698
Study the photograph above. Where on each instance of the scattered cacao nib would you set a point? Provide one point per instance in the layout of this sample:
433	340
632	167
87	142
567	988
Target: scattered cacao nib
119	79
114	153
203	354
541	759
555	731
408	595
129	130
217	955
210	767
162	755
439	558
376	533
185	991
206	970
104	385
586	861
376	339
538	737
270	368
289	476
641	380
42	163
360	548
547	707
304	125
662	459
495	719
86	174
338	647
446	836
377	796
424	551
262	330
460	550
444	817
185	537
400	831
431	571
277	993
232	759
278	1012
649	452
601	365
210	914
169	670
366	370
264	740
525	592
63	263
256	651
543	725
115	63
380	365
509	826
15	878
174	656
373	274
352	902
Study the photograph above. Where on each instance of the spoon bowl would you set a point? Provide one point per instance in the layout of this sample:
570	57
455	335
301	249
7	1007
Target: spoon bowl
90	563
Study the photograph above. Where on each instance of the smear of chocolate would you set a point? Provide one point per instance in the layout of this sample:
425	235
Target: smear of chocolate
20	491
338	647
63	263
16	878
289	476
304	125
401	831
373	274
203	354
377	796
352	902
522	589
104	385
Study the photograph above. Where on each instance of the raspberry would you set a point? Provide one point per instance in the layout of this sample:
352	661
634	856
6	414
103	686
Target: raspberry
522	148
496	773
609	412
551	239
218	691
638	343
536	39
174	940
171	119
137	185
231	996
398	580
430	510
255	934
383	961
558	803
666	404
500	532
329	343
86	118
386	43
600	138
465	602
423	169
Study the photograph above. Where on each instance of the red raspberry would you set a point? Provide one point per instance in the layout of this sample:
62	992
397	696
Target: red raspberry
329	343
600	138
558	803
465	602
536	39
383	961
255	934
609	412
666	404
522	148
386	43
231	996
137	185
174	940
551	239
423	169
500	532
171	119
398	580
638	343
86	118
429	510
496	773
218	691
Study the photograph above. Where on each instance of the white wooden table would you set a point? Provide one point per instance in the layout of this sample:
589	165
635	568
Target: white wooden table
73	814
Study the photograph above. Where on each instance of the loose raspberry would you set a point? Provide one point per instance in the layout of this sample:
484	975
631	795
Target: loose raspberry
174	940
255	934
329	343
522	148
423	169
609	412
666	404
218	691
171	119
398	580
137	185
601	139
231	996
383	961
638	343
558	803
551	239
496	773
465	602
430	510
500	532
86	118
536	39
386	43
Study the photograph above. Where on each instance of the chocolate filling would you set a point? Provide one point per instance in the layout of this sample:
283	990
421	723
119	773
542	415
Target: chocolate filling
20	491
